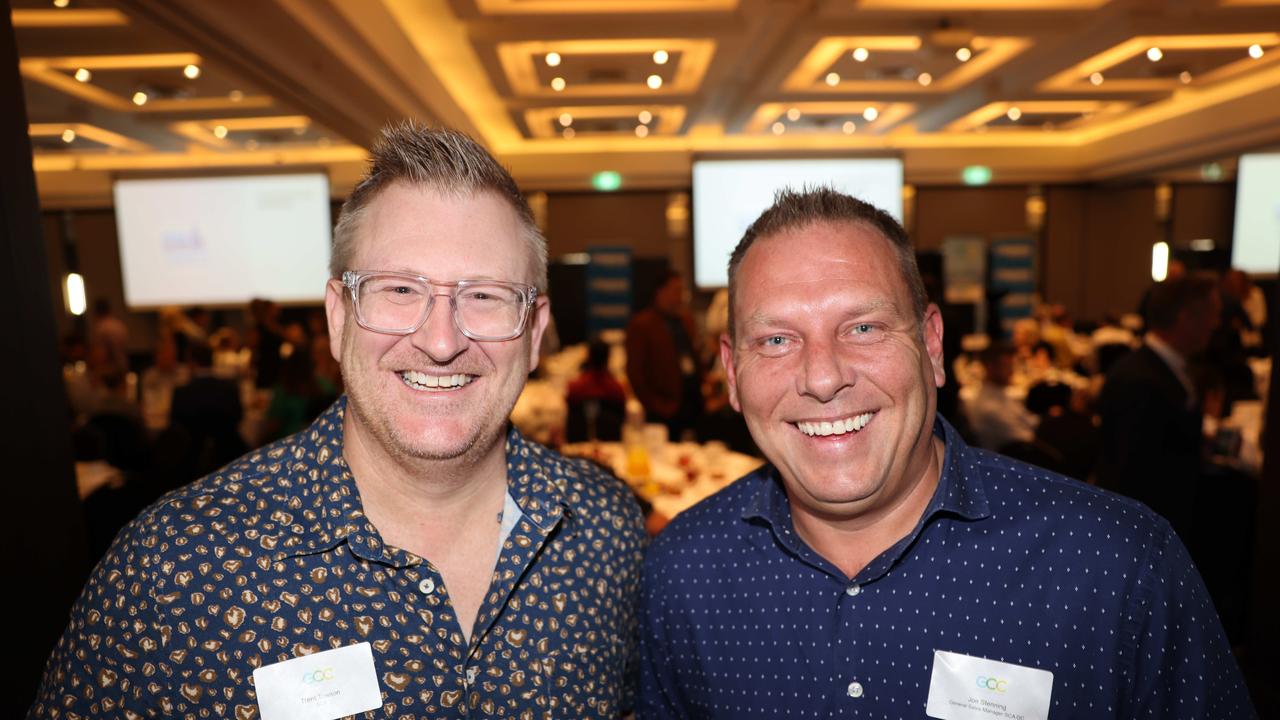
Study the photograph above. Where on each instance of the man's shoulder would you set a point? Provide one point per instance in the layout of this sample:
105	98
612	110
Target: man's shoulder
1017	492
712	524
592	494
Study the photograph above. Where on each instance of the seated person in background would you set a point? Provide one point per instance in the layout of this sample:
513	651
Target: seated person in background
597	401
204	422
300	395
996	419
1069	434
878	565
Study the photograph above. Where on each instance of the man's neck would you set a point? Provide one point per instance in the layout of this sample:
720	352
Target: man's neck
417	504
852	543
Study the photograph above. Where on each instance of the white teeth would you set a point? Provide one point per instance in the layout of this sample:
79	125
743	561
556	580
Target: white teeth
416	380
837	427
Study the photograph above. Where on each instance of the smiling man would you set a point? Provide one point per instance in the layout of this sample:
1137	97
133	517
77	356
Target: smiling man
879	567
409	554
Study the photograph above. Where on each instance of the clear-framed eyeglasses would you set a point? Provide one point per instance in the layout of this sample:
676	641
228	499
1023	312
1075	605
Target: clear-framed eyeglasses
397	303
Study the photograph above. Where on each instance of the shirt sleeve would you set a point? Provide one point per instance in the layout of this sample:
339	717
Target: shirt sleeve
660	691
107	663
1182	664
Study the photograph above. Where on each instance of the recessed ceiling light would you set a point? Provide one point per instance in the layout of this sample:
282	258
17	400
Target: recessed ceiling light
642	131
83	74
1154	54
553	59
661	57
568	133
191	71
849	127
963	54
566	119
557	84
1096	79
654	82
68	135
861	54
1014	114
61	3
870	114
1185	77
219	131
646	117
139	98
1255	51
833	79
925	79
778	128
793	114
235	96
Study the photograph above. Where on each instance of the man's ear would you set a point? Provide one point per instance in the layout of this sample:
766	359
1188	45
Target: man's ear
538	326
730	372
335	311
932	331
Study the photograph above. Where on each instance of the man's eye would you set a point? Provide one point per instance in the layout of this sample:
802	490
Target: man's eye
775	341
863	328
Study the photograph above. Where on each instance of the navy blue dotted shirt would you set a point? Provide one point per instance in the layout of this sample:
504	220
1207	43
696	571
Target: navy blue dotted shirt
740	618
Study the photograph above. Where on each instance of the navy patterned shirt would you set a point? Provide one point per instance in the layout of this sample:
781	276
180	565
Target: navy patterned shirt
273	558
740	618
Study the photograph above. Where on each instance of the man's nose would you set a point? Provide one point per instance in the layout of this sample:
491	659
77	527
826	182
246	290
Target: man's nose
823	374
439	336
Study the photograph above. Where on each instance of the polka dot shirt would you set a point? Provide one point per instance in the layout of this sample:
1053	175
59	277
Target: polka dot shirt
740	618
272	558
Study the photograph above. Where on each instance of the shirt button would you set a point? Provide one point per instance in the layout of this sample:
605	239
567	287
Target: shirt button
853	590
427	586
855	690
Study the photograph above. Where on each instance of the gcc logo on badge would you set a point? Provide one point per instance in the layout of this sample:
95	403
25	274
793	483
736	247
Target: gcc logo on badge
317	676
991	683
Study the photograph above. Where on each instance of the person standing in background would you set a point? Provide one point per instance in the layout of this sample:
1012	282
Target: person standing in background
663	364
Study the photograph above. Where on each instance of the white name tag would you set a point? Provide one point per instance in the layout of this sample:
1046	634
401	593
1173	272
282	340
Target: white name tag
964	687
321	686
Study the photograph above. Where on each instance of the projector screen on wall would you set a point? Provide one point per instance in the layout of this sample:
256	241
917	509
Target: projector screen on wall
728	195
223	240
1255	248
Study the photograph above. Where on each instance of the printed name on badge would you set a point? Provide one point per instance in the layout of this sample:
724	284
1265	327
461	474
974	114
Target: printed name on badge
964	687
321	686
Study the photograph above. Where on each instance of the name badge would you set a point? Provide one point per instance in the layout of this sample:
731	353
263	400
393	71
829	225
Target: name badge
964	687
320	686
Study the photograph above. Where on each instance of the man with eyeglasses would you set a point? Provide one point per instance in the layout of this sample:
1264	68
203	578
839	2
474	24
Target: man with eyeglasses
409	553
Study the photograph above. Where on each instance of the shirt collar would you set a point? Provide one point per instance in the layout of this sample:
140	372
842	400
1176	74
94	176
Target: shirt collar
325	492
958	493
1171	357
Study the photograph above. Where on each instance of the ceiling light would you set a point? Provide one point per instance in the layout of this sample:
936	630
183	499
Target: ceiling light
861	54
778	128
191	71
235	96
646	117
833	79
1014	114
654	82
1154	54
660	57
568	133
849	127
557	84
1185	77
83	75
61	3
566	119
963	54
870	114
1255	51
553	59
68	135
139	98
219	131
75	293
1159	261
1096	78
793	114
642	131
925	79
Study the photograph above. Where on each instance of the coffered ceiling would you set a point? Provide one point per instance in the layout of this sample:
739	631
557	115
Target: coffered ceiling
1038	90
